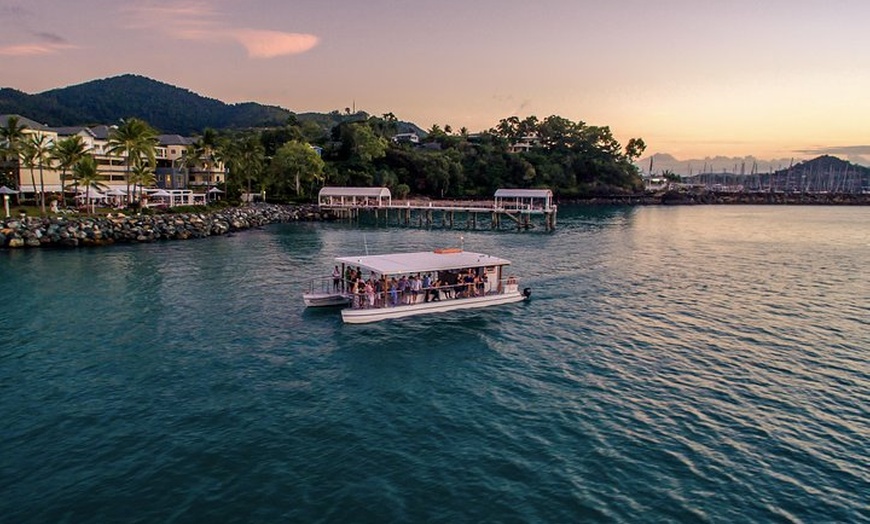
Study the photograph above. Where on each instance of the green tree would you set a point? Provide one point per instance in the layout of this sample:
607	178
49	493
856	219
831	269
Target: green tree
558	133
386	126
634	148
28	158
528	127
272	139
507	128
601	140
313	133
209	149
142	176
36	154
67	152
294	161
85	172
134	138
189	162
402	190
232	157
40	152
670	176
12	138
365	145
251	159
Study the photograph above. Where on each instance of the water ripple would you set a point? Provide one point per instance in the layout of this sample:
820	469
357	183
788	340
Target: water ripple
675	365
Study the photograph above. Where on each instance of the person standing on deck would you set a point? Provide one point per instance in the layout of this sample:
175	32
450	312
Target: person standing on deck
370	293
394	292
348	276
403	289
416	284
426	284
435	293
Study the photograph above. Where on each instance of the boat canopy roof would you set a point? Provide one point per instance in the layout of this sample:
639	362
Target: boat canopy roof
422	262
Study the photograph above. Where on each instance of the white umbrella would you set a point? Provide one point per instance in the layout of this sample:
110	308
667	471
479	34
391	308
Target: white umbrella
5	191
94	195
215	190
116	192
160	193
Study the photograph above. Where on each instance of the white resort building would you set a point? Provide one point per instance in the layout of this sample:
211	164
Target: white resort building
179	165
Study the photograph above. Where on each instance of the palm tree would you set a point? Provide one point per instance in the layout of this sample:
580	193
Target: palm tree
12	135
249	159
67	152
670	176
189	161
39	151
231	157
12	139
28	158
142	176
85	171
210	151
223	156
135	139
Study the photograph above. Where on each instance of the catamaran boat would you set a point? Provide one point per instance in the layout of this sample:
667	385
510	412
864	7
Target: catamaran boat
405	284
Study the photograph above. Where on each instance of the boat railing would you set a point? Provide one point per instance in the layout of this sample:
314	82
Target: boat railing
393	298
327	284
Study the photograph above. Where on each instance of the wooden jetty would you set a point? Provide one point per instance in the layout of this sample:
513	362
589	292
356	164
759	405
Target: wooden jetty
517	209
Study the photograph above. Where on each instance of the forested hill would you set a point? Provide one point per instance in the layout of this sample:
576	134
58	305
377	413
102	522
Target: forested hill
168	108
571	158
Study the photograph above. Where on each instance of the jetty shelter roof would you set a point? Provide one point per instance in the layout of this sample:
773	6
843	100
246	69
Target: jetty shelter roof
523	193
422	262
524	199
354	196
375	192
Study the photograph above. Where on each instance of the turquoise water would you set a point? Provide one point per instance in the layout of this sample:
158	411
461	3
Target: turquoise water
684	364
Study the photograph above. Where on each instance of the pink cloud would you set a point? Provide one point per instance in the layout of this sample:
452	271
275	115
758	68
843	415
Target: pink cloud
34	49
196	20
269	44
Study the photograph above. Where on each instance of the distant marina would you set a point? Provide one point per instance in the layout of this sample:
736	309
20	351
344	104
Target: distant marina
824	175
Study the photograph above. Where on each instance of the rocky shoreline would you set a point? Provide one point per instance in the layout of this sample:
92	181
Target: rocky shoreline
77	230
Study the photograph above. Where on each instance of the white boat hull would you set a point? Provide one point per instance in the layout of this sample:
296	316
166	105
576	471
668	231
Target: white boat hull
363	316
325	299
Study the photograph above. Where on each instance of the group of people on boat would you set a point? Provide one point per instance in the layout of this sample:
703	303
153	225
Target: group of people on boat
383	291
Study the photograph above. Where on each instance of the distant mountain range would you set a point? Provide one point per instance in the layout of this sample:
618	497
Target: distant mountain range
168	108
720	164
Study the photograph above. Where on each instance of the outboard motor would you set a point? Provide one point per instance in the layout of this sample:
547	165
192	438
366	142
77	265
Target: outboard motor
527	292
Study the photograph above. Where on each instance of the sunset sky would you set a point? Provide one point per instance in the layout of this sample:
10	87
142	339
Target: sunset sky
693	78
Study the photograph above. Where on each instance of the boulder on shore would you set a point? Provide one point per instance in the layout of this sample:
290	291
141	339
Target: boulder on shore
64	231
